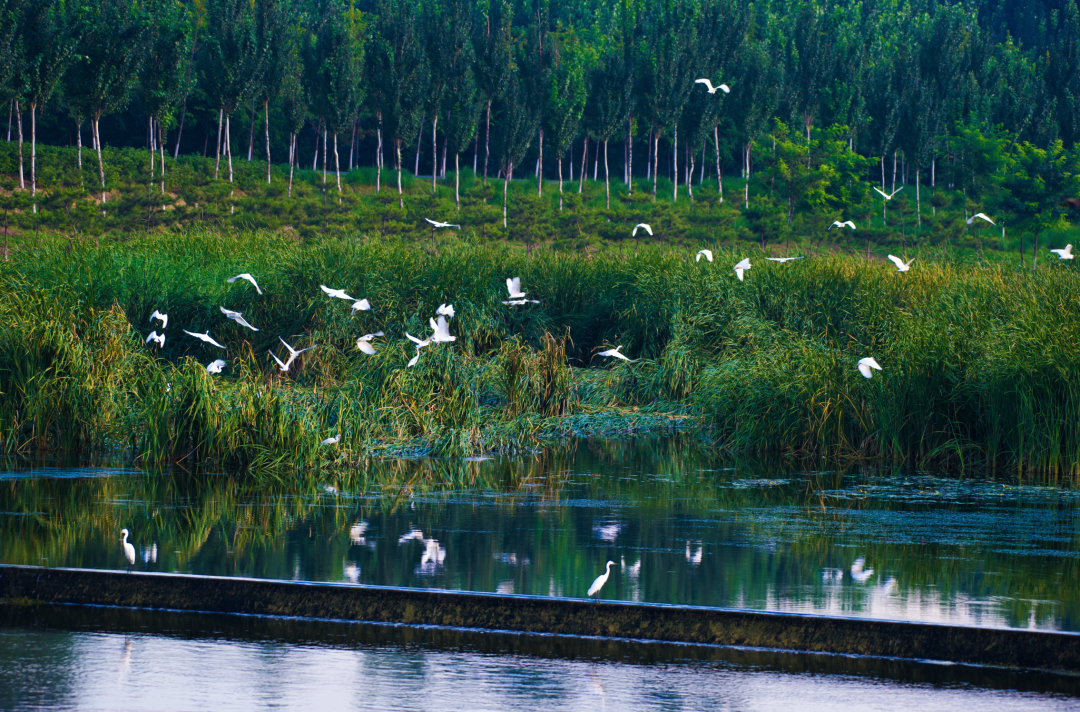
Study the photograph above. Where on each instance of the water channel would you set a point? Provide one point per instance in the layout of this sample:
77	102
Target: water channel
683	526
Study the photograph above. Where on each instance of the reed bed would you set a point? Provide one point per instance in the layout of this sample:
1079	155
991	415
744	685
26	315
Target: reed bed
980	361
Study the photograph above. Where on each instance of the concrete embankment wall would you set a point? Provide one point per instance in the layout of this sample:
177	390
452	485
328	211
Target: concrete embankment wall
560	616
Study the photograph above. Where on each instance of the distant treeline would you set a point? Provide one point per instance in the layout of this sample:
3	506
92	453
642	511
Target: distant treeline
981	95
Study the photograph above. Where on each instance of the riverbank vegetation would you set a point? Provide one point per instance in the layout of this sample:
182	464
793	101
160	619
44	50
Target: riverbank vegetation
979	359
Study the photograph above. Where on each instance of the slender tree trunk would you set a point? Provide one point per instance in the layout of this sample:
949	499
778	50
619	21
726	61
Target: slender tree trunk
540	167
324	152
337	167
1035	252
18	117
292	158
571	162
434	153
584	164
419	139
228	146
506	181
607	177
675	164
217	144
649	162
656	164
101	162
893	190
78	140
457	181
315	160
378	156
918	200
701	180
487	141
746	184
560	182
401	196
161	147
690	173
251	134
719	174
183	115
266	127
150	122
11	112
352	141
33	151
596	165
630	156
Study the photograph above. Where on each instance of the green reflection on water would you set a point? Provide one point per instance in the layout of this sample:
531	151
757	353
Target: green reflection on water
684	527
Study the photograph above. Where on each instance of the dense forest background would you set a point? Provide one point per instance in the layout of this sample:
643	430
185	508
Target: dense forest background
827	99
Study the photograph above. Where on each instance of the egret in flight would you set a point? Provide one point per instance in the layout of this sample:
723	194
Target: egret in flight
615	353
163	318
332	441
215	367
643	226
159	338
980	215
712	90
129	550
204	337
842	224
364	343
442	330
741	268
361	305
293	353
782	260
1063	254
865	366
441	224
901	266
887	196
707	254
237	317
517	297
247	277
598	584
336	293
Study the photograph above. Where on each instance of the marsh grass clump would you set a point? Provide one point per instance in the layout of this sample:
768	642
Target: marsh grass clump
980	361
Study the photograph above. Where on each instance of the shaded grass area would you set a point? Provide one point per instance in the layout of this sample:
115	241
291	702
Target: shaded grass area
980	361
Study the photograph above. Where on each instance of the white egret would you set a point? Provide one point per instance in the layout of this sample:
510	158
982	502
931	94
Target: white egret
159	338
1064	254
707	254
215	366
615	353
237	317
204	337
446	310
887	196
847	223
865	366
712	90
361	305
601	580
442	330
859	573
643	226
782	260
293	353
336	293
163	318
332	441
414	359
364	343
741	268
980	215
513	286
129	550
901	266
247	277
441	224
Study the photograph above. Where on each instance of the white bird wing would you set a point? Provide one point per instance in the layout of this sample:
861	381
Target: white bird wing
744	264
414	359
849	224
442	330
247	277
242	321
215	366
153	336
739	273
362	305
228	313
707	83
365	346
898	262
513	286
284	367
419	343
163	318
707	254
292	351
644	226
724	88
204	337
981	215
883	193
433	222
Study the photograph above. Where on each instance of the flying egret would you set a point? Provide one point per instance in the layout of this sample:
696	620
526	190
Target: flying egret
441	224
901	266
1065	254
513	286
601	580
293	353
364	343
204	337
129	550
707	254
159	338
615	353
847	223
414	359
865	364
712	90
332	441
336	293
741	268
237	317
361	305
215	367
247	277
442	331
859	573
643	226
446	310
783	259
163	318
979	215
887	196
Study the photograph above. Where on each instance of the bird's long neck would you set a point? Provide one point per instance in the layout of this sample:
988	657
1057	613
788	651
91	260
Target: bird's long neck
125	535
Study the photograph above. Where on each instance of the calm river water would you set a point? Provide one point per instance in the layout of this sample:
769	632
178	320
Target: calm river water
682	526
